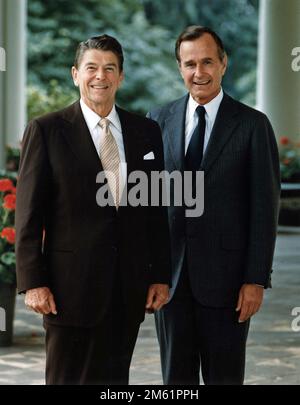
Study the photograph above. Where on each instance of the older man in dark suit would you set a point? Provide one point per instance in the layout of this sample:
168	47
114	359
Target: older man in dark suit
98	265
221	260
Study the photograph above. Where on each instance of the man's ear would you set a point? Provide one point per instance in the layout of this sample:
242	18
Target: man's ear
224	62
179	67
74	73
121	78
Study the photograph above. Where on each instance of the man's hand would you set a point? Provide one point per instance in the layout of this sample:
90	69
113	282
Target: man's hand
40	300
250	300
158	295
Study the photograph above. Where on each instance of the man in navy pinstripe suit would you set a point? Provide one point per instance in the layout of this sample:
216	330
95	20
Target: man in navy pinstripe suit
221	260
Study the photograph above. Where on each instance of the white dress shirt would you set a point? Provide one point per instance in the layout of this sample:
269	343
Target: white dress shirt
92	120
191	118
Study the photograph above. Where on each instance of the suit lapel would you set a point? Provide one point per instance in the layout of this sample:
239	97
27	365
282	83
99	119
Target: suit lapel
134	144
131	140
80	141
175	133
79	138
222	131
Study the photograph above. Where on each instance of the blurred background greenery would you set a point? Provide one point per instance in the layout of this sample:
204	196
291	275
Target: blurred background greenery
147	30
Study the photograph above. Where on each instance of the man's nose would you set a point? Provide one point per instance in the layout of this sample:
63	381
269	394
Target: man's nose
199	70
100	74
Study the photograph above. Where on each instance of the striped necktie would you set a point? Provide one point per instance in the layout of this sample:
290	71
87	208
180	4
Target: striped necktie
110	159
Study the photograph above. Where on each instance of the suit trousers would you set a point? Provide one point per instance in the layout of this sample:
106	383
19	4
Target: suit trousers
193	336
99	355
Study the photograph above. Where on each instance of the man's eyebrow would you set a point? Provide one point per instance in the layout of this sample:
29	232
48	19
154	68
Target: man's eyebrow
111	64
90	64
191	61
187	62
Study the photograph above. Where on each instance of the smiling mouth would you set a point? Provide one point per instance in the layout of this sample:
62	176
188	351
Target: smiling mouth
203	83
97	87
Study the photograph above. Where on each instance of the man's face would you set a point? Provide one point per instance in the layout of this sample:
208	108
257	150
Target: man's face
98	78
201	68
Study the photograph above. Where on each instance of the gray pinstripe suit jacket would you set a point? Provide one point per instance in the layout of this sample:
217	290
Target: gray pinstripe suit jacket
233	241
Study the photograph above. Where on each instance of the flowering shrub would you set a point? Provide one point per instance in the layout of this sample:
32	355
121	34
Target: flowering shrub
289	154
7	228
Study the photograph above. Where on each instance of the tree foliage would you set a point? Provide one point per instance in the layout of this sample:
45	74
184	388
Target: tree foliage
147	30
236	22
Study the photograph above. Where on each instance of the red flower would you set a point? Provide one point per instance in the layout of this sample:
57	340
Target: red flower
13	190
10	202
9	234
284	140
6	185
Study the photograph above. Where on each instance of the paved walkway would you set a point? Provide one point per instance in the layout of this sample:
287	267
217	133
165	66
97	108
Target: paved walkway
273	355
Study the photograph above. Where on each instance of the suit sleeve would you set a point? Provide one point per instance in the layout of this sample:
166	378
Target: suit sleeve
32	197
160	249
264	203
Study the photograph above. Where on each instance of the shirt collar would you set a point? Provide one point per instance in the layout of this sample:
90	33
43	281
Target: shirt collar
92	119
211	108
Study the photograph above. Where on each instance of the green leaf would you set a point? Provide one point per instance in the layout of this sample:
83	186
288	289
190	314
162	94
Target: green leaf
8	258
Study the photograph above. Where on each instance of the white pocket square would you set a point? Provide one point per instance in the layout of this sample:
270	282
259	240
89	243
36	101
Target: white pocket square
149	156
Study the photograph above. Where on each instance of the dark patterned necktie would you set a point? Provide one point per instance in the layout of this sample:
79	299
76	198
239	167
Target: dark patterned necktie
194	153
